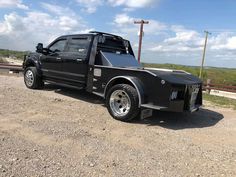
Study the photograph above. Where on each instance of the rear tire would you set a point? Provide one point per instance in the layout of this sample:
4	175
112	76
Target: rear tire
32	79
122	102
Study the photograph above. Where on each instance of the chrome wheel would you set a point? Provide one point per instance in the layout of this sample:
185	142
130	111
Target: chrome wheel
29	78
120	103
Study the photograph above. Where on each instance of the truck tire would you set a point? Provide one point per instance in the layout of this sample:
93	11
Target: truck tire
122	102
32	79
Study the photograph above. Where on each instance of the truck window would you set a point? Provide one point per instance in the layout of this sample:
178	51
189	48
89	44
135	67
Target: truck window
58	46
113	45
79	46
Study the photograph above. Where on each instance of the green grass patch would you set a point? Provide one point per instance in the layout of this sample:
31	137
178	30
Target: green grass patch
224	76
220	101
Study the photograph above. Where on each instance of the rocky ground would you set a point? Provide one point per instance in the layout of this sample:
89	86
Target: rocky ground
62	132
12	61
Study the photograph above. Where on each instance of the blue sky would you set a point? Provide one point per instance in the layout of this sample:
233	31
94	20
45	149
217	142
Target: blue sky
174	35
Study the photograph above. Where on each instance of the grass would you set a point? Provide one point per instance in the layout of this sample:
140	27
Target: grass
11	53
224	76
220	101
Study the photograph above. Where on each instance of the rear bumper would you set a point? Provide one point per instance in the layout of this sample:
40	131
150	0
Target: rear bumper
190	102
174	108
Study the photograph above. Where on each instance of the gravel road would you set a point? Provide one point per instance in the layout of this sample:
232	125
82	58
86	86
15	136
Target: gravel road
63	132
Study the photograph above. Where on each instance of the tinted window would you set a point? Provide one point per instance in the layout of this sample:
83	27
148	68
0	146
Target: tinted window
58	46
79	46
112	44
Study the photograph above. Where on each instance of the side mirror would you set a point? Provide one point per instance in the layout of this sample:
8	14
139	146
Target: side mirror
39	48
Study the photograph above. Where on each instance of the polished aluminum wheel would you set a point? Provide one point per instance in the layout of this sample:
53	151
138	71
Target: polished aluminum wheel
29	78
120	103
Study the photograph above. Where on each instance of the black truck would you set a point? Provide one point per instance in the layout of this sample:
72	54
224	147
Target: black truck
104	64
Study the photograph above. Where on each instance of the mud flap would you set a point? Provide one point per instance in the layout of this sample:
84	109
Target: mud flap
145	113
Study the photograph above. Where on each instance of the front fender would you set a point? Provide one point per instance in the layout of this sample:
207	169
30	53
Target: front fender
33	61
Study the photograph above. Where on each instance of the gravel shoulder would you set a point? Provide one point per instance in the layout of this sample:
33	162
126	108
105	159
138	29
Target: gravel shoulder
63	132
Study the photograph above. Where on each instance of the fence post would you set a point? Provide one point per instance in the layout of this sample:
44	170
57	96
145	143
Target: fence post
208	87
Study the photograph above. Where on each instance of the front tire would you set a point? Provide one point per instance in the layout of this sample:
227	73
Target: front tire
32	79
122	102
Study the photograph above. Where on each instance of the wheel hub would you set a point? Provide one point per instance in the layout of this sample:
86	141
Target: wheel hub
120	103
29	78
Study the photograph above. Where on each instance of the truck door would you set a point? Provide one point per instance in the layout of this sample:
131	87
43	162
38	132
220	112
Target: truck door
75	60
52	61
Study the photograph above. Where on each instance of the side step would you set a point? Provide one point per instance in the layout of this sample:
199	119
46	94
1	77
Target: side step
150	106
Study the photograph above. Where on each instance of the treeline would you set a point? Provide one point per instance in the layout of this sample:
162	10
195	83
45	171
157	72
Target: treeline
13	54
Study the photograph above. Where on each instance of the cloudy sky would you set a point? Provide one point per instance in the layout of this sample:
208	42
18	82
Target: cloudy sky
175	33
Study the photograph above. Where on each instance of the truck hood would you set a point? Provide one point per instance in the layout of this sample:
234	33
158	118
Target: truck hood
175	76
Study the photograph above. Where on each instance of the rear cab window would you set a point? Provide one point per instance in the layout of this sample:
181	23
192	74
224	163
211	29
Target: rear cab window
115	51
112	44
79	46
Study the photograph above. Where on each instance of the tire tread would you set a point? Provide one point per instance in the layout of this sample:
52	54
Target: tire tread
131	91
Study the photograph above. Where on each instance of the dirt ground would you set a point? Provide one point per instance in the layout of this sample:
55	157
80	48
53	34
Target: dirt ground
63	132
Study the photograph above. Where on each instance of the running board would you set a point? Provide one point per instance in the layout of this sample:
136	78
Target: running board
64	85
150	106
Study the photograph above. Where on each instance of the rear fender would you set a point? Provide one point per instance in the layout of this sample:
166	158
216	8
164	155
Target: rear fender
133	81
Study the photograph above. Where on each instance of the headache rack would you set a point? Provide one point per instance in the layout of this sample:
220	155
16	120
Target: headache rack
106	34
112	43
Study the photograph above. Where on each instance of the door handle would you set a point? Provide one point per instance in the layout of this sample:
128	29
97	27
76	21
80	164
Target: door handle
79	59
58	58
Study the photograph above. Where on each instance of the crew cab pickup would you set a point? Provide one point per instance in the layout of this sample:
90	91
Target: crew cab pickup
104	64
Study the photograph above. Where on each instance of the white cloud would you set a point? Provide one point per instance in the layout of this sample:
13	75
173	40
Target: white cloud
183	37
67	23
186	47
223	41
12	23
231	43
24	32
58	10
133	3
90	6
123	19
154	27
13	4
184	40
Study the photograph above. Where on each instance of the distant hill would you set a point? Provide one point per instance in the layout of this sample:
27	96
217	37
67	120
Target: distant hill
226	76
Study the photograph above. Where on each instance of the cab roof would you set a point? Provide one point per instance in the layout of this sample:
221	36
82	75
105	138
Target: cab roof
94	33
